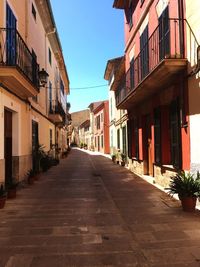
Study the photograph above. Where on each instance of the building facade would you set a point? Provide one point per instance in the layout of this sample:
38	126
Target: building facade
114	74
193	46
84	134
101	127
77	118
159	43
32	113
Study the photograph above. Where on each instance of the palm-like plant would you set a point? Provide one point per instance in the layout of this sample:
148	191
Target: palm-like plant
185	185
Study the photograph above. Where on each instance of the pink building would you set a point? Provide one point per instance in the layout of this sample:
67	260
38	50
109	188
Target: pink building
101	127
156	91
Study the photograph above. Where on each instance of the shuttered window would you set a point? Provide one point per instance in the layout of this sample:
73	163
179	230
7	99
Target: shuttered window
144	54
164	34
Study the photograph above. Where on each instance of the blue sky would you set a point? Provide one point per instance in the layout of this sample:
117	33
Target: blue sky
91	33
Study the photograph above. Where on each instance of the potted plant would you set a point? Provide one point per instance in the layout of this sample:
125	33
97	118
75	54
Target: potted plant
12	189
3	196
187	187
123	159
113	158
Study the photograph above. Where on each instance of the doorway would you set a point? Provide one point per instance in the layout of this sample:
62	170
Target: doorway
8	146
148	168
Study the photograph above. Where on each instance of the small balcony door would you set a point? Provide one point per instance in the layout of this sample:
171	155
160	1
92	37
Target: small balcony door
11	24
8	146
164	34
144	48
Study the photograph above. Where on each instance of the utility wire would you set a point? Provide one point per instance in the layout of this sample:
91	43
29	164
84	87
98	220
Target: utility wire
80	88
89	87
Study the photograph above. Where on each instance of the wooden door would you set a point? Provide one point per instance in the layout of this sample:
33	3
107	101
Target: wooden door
8	146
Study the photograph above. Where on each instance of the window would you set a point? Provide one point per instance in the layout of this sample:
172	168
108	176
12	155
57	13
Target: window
130	15
50	98
164	34
102	141
157	135
50	59
51	137
62	86
132	83
34	71
98	122
175	134
129	135
34	12
144	48
101	117
118	138
124	140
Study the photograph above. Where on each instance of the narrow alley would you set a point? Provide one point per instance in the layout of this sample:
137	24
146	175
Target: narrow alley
90	212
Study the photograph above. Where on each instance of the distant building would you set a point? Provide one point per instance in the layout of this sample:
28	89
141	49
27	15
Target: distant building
77	118
84	134
101	127
114	73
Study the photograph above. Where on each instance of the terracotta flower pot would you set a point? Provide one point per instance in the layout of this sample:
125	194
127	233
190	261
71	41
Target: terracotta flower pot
12	193
2	202
188	203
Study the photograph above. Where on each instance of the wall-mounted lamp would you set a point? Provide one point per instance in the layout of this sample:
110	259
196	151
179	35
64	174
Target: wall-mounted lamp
43	76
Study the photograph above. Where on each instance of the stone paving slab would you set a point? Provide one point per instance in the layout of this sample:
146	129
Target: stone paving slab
97	214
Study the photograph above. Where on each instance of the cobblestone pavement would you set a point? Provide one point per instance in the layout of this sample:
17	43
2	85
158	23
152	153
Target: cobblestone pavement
89	212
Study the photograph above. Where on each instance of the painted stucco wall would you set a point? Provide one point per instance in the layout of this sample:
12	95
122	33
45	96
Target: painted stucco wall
192	16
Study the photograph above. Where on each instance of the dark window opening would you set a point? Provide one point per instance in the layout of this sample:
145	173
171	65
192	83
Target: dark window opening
144	48
130	15
164	34
50	59
118	138
34	12
51	137
132	79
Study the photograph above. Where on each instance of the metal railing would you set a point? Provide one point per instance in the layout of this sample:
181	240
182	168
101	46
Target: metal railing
15	53
166	42
55	107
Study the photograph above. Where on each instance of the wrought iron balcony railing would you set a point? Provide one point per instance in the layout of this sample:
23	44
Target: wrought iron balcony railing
15	53
55	107
166	42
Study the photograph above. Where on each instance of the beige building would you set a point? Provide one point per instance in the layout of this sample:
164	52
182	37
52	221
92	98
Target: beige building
31	112
77	118
84	134
114	74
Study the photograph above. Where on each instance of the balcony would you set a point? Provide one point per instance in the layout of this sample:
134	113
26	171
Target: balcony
18	66
160	60
56	112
